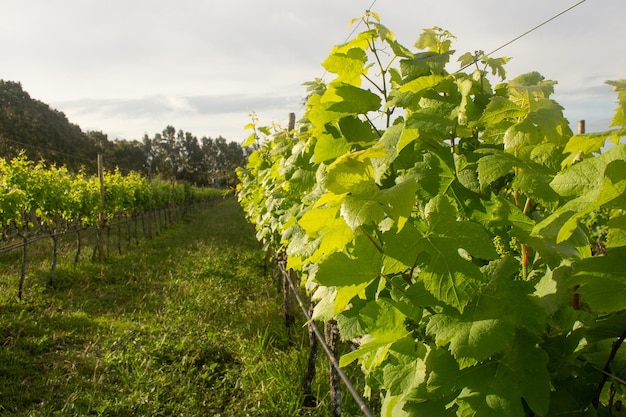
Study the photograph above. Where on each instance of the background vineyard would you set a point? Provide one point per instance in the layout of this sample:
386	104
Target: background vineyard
41	201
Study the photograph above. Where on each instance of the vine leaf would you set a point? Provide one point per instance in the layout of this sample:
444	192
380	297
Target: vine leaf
328	227
609	192
617	232
354	100
521	134
353	173
602	281
389	144
356	130
384	324
358	211
488	323
532	179
401	249
351	273
588	175
500	109
347	64
399	200
496	388
450	276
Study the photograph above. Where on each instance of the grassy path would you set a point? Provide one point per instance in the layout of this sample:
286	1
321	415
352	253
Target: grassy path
182	325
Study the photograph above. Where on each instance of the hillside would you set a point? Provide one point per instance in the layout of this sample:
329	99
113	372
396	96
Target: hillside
41	132
30	126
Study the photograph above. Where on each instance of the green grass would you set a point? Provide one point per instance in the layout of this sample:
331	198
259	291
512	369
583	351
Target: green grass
185	324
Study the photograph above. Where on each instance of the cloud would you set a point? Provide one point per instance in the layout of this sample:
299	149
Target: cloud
202	115
130	67
163	105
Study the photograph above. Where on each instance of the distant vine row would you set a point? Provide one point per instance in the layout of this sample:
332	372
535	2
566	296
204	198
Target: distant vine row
38	200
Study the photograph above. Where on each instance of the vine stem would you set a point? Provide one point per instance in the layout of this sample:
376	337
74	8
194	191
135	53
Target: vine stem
393	284
371	238
616	345
524	246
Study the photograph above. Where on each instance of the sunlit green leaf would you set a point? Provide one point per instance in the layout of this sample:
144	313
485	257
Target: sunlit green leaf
348	65
499	109
354	100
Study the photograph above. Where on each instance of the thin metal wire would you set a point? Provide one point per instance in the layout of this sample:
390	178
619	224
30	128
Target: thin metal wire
523	34
608	374
41	148
366	412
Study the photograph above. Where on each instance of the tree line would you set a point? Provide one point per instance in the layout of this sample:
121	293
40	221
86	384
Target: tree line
31	127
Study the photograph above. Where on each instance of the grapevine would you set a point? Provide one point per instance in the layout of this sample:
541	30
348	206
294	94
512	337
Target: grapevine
40	200
443	220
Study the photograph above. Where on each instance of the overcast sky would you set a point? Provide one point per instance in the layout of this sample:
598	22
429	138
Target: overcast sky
131	67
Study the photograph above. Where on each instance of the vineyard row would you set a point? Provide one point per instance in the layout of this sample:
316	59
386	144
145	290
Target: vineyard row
40	201
456	227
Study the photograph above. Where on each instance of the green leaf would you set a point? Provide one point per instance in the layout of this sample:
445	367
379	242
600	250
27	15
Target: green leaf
436	119
449	276
611	192
326	225
399	200
602	281
497	388
250	140
356	130
348	65
346	293
403	372
531	179
401	249
324	298
353	173
349	320
488	323
586	144
435	174
388	143
619	118
384	324
495	166
329	147
520	135
409	93
588	175
354	100
360	210
383	321
499	109
617	232
424	64
341	269
548	155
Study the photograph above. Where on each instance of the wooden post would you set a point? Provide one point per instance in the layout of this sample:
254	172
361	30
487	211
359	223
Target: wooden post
309	398
292	122
581	127
101	215
331	333
288	301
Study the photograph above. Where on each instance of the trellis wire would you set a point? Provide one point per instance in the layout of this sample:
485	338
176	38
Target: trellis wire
366	412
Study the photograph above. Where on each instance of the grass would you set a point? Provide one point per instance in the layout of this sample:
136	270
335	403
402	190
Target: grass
184	324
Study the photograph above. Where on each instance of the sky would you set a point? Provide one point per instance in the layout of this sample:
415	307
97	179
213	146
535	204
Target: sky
132	67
